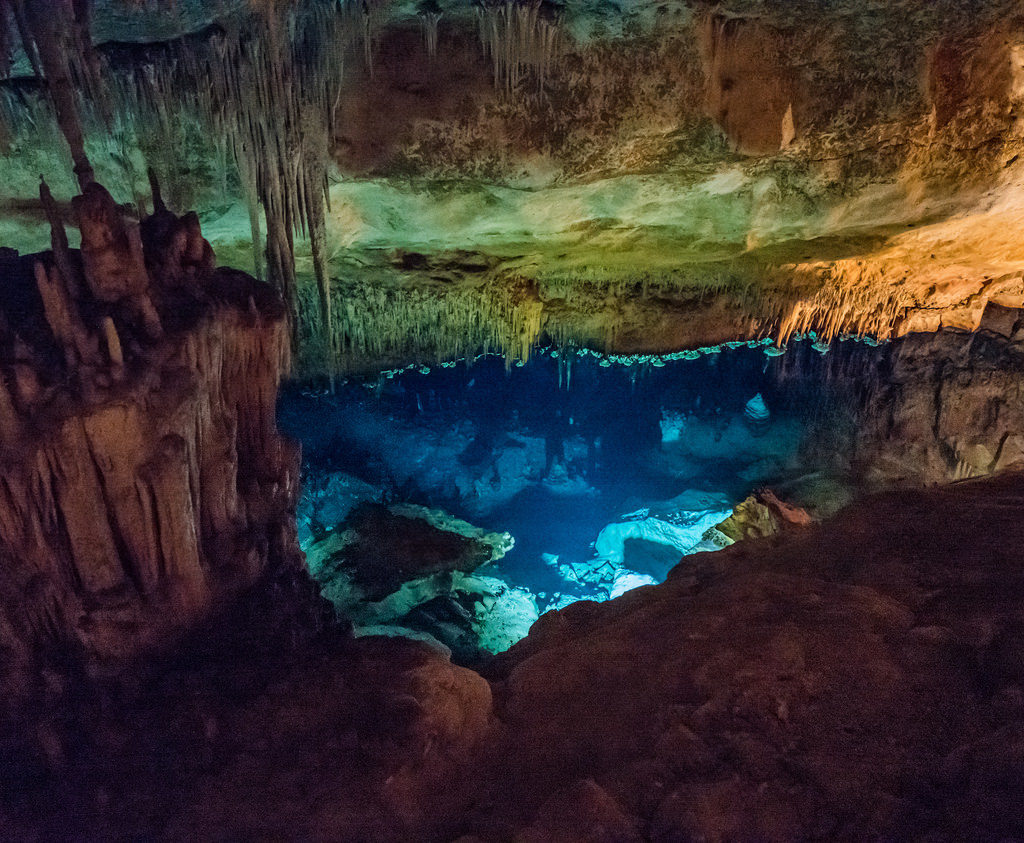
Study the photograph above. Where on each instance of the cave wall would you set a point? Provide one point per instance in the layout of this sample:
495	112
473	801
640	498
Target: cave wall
925	409
751	90
946	407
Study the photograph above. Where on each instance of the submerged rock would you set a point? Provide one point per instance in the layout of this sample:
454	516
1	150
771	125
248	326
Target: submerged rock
756	415
651	544
380	548
407	570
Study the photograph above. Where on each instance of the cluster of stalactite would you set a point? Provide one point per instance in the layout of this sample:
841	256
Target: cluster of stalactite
261	87
521	38
56	40
429	13
266	87
387	322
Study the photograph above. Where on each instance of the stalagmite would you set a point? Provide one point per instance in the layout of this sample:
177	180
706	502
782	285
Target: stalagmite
756	415
10	419
59	239
142	474
113	348
112	256
56	306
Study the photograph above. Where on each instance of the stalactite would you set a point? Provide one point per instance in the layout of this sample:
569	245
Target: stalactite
429	13
21	22
48	24
519	37
367	39
83	61
59	240
6	40
440	323
268	86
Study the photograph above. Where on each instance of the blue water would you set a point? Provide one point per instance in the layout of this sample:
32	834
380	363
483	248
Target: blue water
613	410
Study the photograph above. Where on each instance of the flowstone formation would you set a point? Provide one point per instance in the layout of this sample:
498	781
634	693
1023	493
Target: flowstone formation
144	480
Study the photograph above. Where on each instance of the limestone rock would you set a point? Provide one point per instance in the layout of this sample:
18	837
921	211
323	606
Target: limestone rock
407	570
756	415
111	249
963	77
393	547
750	88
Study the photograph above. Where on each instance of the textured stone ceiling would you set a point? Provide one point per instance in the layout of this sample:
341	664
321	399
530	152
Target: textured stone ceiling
850	166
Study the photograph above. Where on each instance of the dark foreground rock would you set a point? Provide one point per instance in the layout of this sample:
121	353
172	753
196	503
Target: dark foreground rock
860	679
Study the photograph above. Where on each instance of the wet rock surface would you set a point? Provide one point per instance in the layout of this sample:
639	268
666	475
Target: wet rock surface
406	570
391	547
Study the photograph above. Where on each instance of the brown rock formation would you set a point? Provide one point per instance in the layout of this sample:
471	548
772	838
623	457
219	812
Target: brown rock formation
950	408
826	685
751	92
378	114
387	549
966	77
142	475
924	409
762	515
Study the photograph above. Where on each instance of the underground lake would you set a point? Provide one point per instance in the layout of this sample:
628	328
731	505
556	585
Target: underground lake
459	501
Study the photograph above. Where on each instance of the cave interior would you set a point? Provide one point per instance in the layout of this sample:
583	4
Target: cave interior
517	420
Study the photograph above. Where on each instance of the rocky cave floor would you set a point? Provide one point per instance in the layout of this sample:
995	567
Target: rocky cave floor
861	678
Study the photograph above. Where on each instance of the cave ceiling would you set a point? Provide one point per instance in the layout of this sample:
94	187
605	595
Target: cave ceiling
638	175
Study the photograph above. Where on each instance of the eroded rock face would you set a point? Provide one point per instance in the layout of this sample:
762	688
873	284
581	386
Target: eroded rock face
143	479
950	408
984	72
924	409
